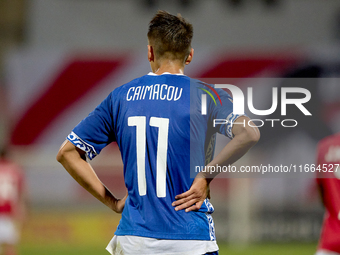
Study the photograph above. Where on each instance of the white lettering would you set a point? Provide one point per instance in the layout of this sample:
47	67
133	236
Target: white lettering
297	102
170	95
136	95
127	95
262	112
178	96
161	96
155	92
148	88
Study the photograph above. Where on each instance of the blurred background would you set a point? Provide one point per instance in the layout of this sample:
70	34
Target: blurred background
59	59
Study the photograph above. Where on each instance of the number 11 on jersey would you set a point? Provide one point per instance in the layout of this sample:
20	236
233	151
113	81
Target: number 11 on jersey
162	148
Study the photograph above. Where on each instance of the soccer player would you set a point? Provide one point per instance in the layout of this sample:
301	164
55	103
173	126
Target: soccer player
163	131
11	204
328	156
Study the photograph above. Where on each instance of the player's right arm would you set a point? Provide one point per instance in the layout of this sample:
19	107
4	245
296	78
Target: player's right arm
74	161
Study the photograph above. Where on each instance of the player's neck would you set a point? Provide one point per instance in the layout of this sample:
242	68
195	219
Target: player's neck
168	66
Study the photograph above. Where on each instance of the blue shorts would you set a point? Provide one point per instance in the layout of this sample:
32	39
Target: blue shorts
212	253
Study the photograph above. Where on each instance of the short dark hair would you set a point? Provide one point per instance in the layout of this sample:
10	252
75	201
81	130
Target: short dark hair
170	35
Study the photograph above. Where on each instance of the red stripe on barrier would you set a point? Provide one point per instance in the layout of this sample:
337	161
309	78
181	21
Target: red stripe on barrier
77	79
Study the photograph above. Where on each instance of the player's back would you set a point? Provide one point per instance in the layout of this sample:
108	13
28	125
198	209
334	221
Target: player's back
152	116
157	123
329	182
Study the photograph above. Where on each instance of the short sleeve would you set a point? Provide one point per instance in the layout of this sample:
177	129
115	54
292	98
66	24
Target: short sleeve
96	131
224	111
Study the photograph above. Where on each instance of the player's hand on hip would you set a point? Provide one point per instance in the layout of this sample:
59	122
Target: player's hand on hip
119	204
193	199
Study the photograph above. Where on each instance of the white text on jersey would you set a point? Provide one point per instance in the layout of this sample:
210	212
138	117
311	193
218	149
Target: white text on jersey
154	92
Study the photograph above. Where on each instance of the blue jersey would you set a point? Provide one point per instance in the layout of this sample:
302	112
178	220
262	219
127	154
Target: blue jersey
162	135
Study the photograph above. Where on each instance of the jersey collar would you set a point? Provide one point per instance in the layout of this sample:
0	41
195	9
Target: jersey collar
151	73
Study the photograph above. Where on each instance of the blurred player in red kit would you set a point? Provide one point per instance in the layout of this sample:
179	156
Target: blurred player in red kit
11	204
328	159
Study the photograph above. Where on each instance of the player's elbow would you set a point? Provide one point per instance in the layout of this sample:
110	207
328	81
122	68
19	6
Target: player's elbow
69	152
253	135
250	136
62	152
61	155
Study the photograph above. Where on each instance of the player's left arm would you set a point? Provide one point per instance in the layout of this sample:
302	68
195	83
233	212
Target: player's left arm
245	137
74	161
